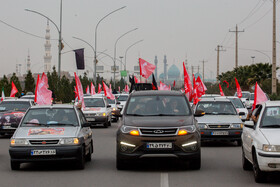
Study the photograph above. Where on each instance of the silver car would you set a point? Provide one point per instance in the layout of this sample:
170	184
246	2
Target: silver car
221	120
52	133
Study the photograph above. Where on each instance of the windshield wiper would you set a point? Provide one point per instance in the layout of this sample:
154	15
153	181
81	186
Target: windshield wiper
271	126
32	123
64	124
225	114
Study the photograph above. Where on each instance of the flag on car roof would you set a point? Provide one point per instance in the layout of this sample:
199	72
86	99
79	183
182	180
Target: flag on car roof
92	89
14	90
163	86
221	91
187	83
107	91
87	90
260	96
146	68
99	88
80	90
200	87
238	89
43	96
154	83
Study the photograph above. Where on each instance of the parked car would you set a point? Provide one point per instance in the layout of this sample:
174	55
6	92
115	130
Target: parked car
115	111
261	143
240	107
97	110
158	124
221	120
52	133
11	112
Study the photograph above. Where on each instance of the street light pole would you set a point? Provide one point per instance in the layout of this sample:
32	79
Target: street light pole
126	53
115	51
95	60
59	33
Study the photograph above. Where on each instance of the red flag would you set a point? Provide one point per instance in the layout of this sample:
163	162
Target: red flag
76	92
43	96
238	89
136	80
44	78
260	96
99	88
226	83
146	68
200	87
221	91
174	83
187	83
14	90
80	90
163	86
194	93
126	88
87	90
92	89
107	91
110	88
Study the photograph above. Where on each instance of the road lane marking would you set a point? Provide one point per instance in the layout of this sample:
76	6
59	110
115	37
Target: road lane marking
164	180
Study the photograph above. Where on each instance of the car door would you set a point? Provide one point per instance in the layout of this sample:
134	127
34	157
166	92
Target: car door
85	131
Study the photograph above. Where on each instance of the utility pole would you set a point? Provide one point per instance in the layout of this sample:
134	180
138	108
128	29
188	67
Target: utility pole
274	85
236	45
219	48
203	61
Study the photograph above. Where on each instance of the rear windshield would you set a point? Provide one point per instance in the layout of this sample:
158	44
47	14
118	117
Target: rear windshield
122	97
158	106
94	102
50	117
14	105
237	102
217	108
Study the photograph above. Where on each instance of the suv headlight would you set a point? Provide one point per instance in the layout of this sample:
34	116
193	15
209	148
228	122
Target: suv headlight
236	126
19	142
202	126
186	129
101	114
69	141
271	148
130	130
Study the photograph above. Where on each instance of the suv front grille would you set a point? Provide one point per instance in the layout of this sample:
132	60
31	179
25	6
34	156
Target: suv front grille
158	131
219	126
90	115
43	142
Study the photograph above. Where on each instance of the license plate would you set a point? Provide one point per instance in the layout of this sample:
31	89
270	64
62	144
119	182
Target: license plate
43	152
7	127
91	119
219	133
159	145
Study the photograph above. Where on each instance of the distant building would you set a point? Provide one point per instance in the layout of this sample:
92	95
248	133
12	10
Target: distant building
47	57
173	73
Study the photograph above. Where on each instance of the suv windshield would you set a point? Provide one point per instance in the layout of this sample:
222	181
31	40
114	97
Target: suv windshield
236	102
158	106
50	117
94	102
271	118
14	105
252	96
122	97
217	108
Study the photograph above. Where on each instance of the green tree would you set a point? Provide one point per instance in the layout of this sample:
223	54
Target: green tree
66	93
29	83
54	83
5	84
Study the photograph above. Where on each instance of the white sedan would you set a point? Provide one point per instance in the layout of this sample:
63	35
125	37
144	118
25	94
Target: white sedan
261	142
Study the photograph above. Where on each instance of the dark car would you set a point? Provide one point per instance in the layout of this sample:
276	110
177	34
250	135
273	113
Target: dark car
158	124
11	112
52	133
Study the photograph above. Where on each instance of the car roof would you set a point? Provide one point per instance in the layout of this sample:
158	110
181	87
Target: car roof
272	103
94	96
231	97
158	92
17	99
53	106
214	100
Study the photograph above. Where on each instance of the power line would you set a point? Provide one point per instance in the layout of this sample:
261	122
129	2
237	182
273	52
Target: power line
252	12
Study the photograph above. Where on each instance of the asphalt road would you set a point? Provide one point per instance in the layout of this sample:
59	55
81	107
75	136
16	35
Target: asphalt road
221	166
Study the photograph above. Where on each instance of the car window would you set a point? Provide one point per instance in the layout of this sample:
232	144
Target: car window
122	97
252	96
237	102
50	117
271	117
217	108
110	101
82	117
158	106
14	105
94	102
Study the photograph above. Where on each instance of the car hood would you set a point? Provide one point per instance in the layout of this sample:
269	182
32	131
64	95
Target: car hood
9	117
242	110
272	135
219	119
46	132
158	121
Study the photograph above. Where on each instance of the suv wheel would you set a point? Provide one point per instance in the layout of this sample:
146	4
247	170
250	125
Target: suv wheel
105	124
259	175
109	123
15	165
245	162
81	160
239	142
88	156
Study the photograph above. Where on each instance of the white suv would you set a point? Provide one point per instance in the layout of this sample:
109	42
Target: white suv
261	142
97	110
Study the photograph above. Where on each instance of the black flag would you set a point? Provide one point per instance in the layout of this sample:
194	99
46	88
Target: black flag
132	82
154	83
80	61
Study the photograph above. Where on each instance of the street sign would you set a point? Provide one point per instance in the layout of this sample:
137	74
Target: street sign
123	73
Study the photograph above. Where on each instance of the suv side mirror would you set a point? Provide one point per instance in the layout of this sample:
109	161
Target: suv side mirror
14	125
87	124
249	124
199	113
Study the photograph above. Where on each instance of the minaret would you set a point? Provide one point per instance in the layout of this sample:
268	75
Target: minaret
28	64
47	57
156	62
165	67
